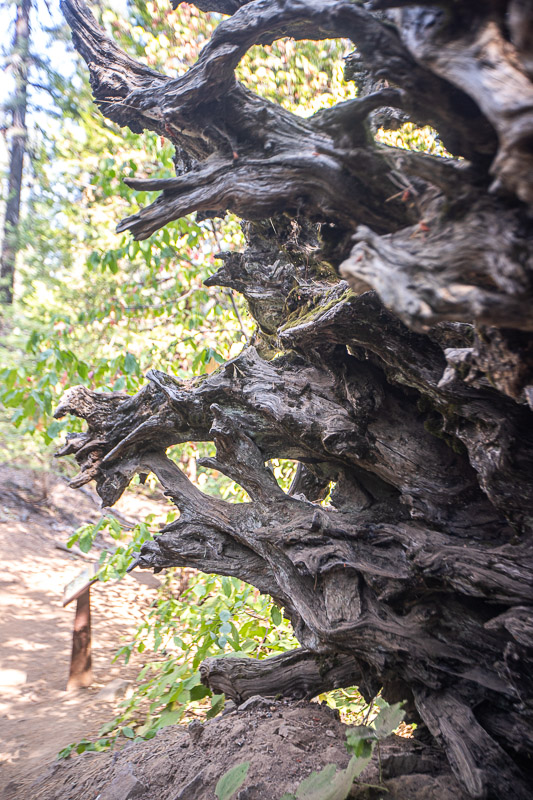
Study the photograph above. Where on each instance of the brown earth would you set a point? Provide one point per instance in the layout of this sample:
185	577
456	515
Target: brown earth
283	742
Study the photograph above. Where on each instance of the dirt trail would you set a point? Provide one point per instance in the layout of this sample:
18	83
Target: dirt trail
37	716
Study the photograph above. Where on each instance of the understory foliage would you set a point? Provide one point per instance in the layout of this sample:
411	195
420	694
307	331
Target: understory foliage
92	307
210	617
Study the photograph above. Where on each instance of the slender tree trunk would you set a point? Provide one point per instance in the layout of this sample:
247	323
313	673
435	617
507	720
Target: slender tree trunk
20	61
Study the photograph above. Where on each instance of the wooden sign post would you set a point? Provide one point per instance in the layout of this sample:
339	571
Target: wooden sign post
80	663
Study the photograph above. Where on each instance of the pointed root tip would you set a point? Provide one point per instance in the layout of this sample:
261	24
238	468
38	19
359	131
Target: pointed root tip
135	563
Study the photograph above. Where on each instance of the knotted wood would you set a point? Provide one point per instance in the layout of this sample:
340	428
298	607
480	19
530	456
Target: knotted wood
392	360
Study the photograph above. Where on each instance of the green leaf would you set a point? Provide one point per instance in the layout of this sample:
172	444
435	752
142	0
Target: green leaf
169	718
83	370
17	416
360	740
85	542
130	364
194	680
388	720
107	728
29	407
66	751
328	784
217	704
317	783
232	780
94	259
275	615
199	692
128	732
9	380
54	428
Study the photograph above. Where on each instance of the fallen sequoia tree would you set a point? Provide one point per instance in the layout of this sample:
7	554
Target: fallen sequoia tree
393	361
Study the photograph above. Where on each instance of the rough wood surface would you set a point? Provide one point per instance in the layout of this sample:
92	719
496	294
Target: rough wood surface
298	674
404	391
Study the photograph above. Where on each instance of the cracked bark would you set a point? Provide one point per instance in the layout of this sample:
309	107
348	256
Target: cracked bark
404	389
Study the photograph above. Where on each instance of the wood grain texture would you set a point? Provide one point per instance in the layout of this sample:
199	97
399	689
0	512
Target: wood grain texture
393	360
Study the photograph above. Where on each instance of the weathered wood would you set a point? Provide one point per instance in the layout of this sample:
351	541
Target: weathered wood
470	748
299	674
472	51
410	405
465	269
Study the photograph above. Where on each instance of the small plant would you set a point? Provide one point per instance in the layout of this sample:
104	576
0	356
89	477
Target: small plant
231	781
330	784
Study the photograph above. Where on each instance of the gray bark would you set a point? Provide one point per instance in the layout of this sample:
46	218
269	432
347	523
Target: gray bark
406	388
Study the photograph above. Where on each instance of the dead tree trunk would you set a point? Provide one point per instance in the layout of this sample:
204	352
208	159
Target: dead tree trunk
393	360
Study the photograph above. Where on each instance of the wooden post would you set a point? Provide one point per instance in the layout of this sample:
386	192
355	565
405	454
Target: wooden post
79	589
81	674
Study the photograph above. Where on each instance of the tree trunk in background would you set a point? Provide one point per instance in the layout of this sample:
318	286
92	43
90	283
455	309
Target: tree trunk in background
20	61
393	360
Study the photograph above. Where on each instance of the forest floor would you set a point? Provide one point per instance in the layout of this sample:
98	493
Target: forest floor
38	512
